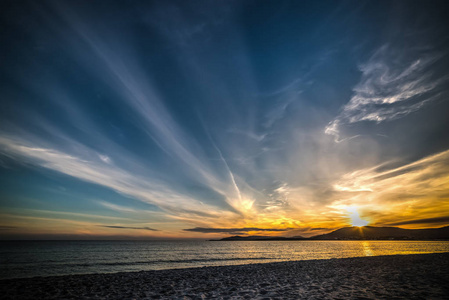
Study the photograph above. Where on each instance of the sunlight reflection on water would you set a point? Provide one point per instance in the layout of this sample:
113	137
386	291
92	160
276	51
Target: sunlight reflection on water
367	248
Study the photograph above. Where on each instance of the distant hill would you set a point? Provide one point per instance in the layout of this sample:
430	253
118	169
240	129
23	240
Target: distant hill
359	233
385	233
261	238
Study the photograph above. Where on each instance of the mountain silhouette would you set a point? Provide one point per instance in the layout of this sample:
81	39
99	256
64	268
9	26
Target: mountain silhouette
385	233
261	238
359	233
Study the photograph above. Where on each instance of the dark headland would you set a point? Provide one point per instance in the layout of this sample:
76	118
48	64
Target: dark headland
360	233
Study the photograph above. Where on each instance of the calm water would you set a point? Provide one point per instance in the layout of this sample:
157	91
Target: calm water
46	258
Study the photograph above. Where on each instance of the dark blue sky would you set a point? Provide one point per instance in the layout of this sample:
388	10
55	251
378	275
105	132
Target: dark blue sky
170	115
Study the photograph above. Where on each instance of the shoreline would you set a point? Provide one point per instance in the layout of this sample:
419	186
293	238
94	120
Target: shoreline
410	276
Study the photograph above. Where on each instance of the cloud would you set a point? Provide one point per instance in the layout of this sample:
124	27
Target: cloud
278	196
232	230
128	227
393	84
7	228
116	207
105	158
414	193
436	220
92	169
183	30
278	111
135	90
248	134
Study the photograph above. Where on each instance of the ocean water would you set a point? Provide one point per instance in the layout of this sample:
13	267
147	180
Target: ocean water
20	259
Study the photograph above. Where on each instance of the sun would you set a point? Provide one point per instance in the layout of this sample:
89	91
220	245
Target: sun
356	220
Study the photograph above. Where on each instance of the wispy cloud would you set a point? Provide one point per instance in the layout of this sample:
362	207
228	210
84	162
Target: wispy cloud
436	220
416	192
102	173
134	86
119	208
249	134
7	228
278	111
128	227
278	197
105	158
393	84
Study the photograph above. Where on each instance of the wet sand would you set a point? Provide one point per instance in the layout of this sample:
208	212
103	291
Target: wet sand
424	276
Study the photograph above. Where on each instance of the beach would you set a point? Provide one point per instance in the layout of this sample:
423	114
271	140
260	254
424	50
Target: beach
423	276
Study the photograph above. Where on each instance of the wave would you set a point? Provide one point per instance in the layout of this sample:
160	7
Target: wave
170	261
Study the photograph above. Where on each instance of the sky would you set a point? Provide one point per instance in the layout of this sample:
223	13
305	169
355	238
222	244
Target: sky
204	119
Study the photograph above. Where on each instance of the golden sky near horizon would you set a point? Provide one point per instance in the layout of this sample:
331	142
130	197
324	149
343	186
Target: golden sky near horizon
411	196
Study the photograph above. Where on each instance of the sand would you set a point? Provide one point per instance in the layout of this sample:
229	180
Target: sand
424	276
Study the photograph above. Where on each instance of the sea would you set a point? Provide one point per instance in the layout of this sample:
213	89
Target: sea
22	259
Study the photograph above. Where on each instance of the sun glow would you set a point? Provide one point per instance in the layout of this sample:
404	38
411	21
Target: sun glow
356	220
